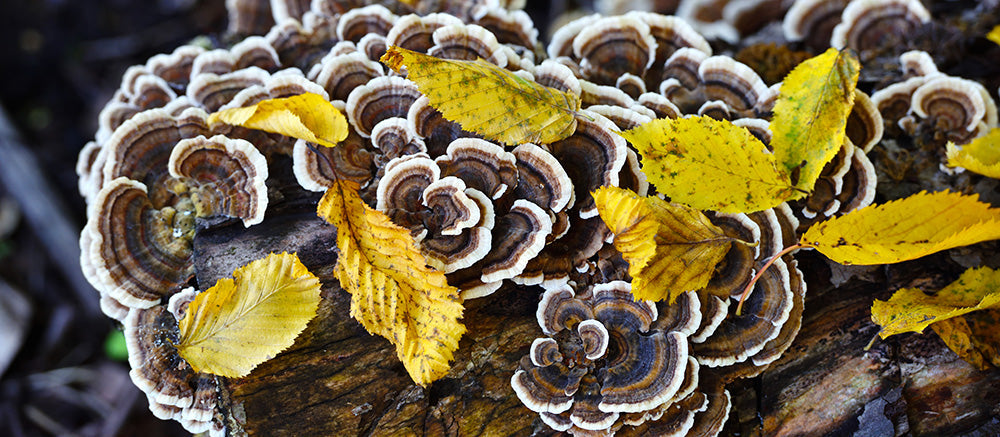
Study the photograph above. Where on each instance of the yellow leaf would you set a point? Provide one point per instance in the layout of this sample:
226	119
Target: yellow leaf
994	34
911	310
306	116
670	248
905	229
489	100
709	164
393	292
811	114
974	337
981	156
239	323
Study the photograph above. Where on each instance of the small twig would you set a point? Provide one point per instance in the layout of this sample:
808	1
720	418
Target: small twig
760	272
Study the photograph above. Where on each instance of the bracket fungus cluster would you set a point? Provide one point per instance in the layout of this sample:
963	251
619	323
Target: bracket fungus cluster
491	215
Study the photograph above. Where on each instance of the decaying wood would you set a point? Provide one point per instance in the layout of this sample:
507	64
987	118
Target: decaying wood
339	380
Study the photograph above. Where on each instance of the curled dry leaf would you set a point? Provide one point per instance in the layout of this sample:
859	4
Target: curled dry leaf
393	292
911	310
239	323
905	229
981	156
489	100
306	116
810	116
710	164
670	248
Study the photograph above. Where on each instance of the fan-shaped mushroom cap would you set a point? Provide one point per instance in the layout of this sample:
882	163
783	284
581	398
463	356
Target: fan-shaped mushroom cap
518	236
647	371
545	352
865	24
174	389
341	74
951	104
223	176
595	338
436	131
414	32
561	43
379	99
732	82
736	269
175	67
541	178
467	42
631	84
917	63
864	123
352	158
758	127
555	75
593	156
714	311
671	34
660	105
612	46
709	422
716	109
510	27
400	191
624	118
139	254
483	165
683	65
248	17
764	312
858	188
453	210
893	101
594	94
356	23
778	345
373	45
548	389
253	51
559	309
212	91
684	315
141	147
394	138
148	91
813	21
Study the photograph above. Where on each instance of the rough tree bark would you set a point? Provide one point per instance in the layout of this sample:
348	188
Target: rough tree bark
339	380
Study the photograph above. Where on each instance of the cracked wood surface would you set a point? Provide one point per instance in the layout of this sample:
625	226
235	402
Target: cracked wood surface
339	380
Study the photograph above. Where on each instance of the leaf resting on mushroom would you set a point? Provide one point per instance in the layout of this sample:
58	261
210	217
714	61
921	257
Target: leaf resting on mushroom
911	310
710	164
670	248
981	156
489	100
306	116
393	292
239	323
905	229
810	115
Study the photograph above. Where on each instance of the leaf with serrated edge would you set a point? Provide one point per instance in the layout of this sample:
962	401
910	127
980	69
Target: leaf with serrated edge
306	116
489	100
810	116
981	156
239	323
911	310
709	164
670	248
393	292
905	229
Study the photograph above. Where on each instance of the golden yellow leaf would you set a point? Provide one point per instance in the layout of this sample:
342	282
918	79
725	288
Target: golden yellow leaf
911	310
994	34
981	156
905	229
489	100
811	114
709	164
393	292
670	248
974	337
239	323
306	116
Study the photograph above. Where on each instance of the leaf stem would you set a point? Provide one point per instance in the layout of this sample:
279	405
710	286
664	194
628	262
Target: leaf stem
760	272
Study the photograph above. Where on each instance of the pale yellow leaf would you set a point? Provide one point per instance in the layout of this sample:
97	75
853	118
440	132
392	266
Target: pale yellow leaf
905	229
709	164
810	116
670	248
994	34
911	310
239	323
489	100
306	116
393	292
981	156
